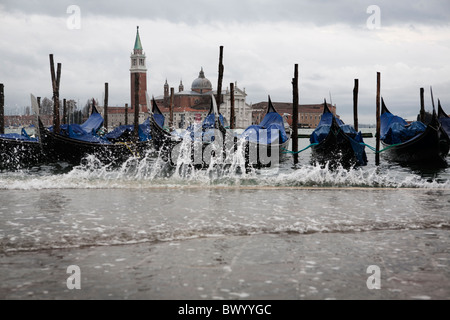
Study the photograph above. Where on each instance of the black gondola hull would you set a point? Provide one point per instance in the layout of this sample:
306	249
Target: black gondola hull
430	147
200	153
444	120
336	150
18	154
60	148
259	155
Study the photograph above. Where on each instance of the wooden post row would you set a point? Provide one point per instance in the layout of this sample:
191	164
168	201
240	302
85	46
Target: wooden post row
422	105
105	108
377	154
64	111
2	109
220	79
232	112
295	114
55	84
355	104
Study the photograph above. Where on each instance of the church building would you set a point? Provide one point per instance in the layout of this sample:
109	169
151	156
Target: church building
192	106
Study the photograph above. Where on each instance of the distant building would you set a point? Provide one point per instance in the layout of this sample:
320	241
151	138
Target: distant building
242	111
117	115
308	114
191	106
26	120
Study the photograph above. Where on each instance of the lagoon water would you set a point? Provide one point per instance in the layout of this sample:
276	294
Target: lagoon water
145	231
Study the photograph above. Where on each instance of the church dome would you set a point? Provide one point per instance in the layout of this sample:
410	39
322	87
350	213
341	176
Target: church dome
201	84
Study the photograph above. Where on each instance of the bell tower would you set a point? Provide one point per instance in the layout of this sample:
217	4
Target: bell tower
166	95
138	66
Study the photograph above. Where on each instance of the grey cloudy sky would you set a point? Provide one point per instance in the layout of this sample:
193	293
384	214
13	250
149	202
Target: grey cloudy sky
263	40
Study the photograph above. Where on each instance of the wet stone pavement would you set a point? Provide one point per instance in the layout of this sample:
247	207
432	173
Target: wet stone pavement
413	264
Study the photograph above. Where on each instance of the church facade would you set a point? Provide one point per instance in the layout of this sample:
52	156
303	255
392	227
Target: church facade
192	106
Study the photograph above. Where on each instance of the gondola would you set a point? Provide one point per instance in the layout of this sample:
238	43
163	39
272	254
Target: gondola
413	143
443	119
19	151
72	144
336	144
267	142
198	144
163	140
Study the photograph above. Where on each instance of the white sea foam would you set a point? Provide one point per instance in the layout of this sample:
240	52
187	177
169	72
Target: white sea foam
155	173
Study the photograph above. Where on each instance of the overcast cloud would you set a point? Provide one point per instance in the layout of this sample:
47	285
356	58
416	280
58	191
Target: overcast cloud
262	40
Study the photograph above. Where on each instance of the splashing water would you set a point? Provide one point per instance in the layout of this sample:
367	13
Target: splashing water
154	172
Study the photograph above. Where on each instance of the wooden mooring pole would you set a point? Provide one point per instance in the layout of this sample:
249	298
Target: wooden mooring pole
377	154
220	79
2	109
295	114
171	106
232	114
126	114
64	111
105	108
136	106
55	84
355	104
422	105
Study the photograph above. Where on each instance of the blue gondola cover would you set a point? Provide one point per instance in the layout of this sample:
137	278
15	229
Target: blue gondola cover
93	123
127	130
262	133
395	129
206	131
15	136
74	131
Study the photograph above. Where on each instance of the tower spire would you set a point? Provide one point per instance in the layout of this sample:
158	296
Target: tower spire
137	43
